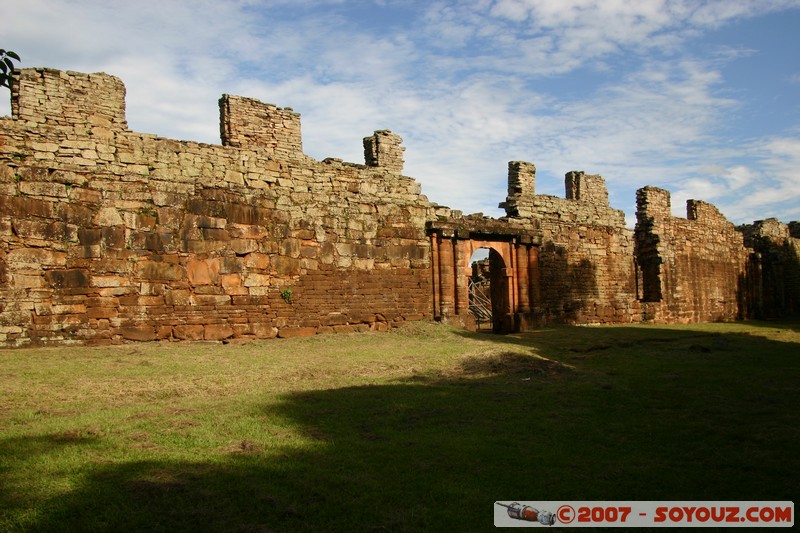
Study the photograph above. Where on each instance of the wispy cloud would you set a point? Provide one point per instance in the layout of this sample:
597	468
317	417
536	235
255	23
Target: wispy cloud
605	86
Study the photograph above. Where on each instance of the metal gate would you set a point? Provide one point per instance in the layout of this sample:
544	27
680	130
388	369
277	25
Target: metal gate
480	303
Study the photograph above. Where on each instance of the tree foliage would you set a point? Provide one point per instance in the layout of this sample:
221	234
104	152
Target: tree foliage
7	58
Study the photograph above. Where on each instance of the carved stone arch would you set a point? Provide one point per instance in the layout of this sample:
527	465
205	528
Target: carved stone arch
514	271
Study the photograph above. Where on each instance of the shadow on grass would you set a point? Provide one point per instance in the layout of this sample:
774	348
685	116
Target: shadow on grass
602	414
791	323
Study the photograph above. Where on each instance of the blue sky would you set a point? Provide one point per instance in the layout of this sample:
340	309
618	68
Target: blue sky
699	97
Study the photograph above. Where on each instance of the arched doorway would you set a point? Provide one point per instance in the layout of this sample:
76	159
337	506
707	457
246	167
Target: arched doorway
502	304
480	289
488	291
512	274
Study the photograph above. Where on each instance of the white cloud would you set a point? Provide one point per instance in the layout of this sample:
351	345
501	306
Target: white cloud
465	83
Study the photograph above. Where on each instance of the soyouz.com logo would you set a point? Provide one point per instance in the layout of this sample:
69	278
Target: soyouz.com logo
644	514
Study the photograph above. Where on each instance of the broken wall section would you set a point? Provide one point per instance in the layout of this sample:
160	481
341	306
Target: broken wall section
109	235
585	270
774	268
691	269
249	123
384	149
92	104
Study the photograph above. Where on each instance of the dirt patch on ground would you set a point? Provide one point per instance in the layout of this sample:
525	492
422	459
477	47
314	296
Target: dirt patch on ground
513	363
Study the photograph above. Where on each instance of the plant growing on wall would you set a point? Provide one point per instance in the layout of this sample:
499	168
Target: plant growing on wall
7	58
286	294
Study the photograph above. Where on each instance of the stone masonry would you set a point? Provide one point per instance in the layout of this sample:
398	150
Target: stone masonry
108	235
692	269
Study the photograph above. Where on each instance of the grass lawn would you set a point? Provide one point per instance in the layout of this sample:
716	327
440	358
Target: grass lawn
423	428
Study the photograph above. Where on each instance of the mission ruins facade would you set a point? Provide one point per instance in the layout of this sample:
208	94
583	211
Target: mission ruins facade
109	235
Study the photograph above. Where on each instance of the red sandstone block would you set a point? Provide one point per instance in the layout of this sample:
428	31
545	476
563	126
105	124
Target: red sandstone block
217	332
366	318
207	289
158	270
23	281
204	272
286	266
211	299
179	297
101	312
256	260
345	328
231	280
130	300
334	319
243	246
163	332
190	333
137	333
42	319
240	329
257	280
237	291
35	258
202	246
264	330
150	300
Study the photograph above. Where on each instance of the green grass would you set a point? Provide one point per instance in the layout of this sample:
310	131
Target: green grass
423	428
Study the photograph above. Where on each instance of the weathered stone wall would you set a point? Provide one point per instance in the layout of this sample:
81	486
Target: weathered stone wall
692	269
383	149
585	262
774	268
107	234
247	123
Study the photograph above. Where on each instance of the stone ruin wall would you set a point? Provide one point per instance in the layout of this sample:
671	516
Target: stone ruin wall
586	265
773	269
109	235
693	269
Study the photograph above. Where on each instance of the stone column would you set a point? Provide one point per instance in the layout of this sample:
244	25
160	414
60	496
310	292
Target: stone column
383	149
513	281
533	277
523	279
436	284
461	258
446	277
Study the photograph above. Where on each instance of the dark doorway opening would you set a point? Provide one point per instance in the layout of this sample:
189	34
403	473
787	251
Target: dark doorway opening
488	292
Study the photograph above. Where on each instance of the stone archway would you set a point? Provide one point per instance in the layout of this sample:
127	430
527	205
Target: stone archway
513	267
502	312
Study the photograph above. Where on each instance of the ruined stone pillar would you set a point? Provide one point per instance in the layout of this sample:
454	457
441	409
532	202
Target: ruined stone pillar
652	210
89	103
249	123
461	260
585	187
383	149
436	284
513	281
522	269
521	189
534	279
446	277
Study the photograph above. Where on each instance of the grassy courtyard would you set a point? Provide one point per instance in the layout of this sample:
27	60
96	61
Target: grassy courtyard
422	428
